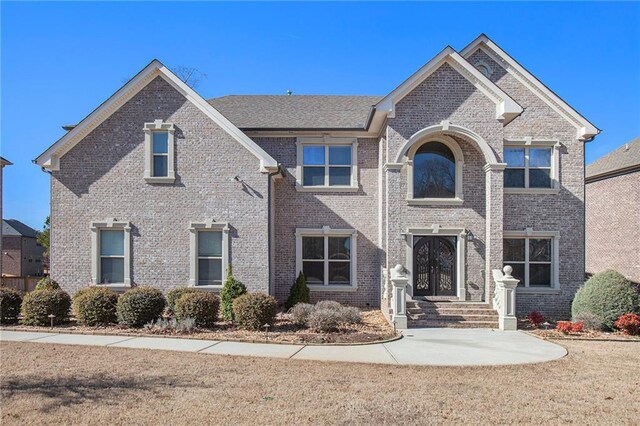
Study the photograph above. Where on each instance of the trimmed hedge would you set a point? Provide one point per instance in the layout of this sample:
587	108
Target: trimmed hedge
201	307
95	306
607	295
47	283
231	290
176	293
140	305
299	292
254	310
10	301
39	304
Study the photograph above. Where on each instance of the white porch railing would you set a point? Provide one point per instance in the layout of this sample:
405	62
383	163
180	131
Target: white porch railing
504	298
399	281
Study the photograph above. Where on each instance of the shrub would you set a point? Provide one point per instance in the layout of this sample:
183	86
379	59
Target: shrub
628	324
300	313
577	327
47	283
299	292
231	290
324	320
253	310
330	305
607	295
10	301
351	315
170	326
201	307
95	306
176	293
39	304
590	321
139	306
564	327
535	318
328	315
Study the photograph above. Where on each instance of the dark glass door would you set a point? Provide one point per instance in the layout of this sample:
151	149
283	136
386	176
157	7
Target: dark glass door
434	266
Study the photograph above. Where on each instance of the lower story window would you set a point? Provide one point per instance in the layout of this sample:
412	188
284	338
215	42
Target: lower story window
531	259
209	253
111	253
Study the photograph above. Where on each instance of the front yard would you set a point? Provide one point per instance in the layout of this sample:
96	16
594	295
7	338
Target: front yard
52	384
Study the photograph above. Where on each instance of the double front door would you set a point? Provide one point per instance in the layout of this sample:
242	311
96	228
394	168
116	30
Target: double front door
434	266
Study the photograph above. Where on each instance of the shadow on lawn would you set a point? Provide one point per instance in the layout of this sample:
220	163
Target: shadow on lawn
70	391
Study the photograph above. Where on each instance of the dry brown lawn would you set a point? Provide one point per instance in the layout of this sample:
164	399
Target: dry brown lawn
597	383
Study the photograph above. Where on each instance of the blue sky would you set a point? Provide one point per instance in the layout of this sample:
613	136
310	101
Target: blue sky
61	60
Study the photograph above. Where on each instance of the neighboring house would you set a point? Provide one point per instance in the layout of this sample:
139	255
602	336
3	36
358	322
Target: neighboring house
22	255
468	165
613	212
3	162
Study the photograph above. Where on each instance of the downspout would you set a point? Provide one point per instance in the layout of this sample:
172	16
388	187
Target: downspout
269	227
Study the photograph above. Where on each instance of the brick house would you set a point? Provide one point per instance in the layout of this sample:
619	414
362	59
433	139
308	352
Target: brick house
613	212
22	255
469	165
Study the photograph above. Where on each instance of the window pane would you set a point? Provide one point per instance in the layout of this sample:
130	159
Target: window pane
513	249
160	163
160	142
518	272
514	178
209	271
339	248
112	243
339	175
313	247
209	243
339	273
313	176
539	157
313	155
514	157
539	178
539	250
434	172
111	270
340	155
539	275
313	272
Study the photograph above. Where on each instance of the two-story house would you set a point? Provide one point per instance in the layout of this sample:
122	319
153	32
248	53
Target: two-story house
468	165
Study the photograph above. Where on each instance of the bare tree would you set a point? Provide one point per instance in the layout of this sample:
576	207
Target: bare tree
190	75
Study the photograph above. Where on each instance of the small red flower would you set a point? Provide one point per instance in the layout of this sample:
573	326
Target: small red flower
628	324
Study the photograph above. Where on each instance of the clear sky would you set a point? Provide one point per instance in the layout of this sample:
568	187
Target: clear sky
61	60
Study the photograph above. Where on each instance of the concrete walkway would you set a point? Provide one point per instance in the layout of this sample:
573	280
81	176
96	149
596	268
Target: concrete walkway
433	346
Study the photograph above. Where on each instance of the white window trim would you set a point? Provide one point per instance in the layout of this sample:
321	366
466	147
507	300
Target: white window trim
555	259
459	164
209	225
110	224
529	142
149	128
326	231
326	141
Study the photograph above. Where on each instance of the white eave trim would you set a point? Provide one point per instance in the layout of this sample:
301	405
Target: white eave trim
50	158
585	130
506	108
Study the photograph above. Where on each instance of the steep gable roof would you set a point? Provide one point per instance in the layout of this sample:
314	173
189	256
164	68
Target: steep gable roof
624	159
15	227
585	130
50	158
506	108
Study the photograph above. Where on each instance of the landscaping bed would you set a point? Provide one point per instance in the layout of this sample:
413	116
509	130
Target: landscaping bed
584	335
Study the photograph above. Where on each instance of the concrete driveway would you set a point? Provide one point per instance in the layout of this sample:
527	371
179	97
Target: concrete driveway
432	346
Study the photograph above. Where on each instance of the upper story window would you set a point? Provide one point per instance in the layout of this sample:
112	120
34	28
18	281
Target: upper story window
435	173
327	164
111	253
531	166
159	152
533	257
209	243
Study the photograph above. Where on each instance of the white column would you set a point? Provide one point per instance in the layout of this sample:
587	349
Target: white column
399	297
505	298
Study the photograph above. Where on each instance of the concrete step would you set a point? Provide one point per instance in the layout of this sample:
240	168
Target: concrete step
436	312
452	324
456	314
451	318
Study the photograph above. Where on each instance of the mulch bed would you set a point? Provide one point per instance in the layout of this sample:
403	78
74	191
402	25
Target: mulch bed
374	328
585	335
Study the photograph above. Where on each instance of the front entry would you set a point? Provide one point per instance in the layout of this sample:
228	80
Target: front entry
434	266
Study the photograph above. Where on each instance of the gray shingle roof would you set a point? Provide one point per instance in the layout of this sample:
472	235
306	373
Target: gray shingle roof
296	111
15	227
628	155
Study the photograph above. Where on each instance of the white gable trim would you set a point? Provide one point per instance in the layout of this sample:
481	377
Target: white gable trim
506	108
585	130
50	158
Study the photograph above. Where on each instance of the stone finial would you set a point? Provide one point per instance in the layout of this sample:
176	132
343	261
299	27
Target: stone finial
507	271
397	271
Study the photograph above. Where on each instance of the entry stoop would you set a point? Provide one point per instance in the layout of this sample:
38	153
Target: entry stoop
455	314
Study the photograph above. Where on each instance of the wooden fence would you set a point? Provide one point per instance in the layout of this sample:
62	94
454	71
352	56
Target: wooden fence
21	284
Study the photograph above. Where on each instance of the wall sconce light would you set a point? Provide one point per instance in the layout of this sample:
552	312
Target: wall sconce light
470	236
403	235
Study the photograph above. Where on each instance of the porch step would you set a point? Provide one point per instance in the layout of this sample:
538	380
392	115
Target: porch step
452	324
450	314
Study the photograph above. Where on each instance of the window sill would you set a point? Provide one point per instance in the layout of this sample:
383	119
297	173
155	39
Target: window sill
115	286
435	201
332	287
207	287
532	191
530	290
160	179
319	188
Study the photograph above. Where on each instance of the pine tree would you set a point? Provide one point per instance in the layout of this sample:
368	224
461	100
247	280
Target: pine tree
231	289
299	292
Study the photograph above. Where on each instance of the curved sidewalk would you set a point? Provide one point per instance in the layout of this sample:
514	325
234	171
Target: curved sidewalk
433	346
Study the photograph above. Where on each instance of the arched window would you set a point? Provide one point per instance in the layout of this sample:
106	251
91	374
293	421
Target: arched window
434	171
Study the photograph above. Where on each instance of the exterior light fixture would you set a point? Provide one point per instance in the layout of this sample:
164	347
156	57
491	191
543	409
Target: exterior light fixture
470	236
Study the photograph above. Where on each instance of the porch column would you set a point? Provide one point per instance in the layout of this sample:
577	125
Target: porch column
504	299
399	297
494	223
394	244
